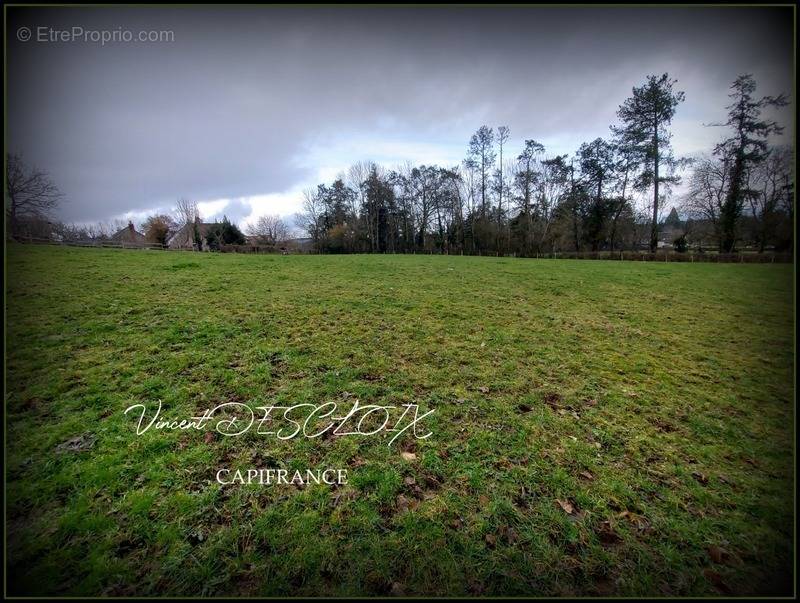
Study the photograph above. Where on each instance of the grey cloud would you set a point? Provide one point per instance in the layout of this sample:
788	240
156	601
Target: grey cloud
235	210
225	109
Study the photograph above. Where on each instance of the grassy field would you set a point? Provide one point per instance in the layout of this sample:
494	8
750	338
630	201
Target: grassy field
599	427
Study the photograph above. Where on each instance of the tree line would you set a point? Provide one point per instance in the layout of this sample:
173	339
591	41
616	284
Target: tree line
269	231
530	202
607	196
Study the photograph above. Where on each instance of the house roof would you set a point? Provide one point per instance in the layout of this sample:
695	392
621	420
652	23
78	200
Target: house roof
129	234
185	234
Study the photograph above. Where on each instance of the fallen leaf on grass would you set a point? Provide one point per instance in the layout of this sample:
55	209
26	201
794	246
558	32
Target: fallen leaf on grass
409	456
566	506
586	475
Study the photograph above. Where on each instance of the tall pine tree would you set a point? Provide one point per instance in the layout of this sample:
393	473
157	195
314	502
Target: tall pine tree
645	118
744	150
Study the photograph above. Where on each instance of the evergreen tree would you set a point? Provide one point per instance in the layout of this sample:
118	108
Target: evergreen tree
673	219
526	179
224	233
481	151
645	117
379	204
744	150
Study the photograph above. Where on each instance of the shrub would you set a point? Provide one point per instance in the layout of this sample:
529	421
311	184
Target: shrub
224	233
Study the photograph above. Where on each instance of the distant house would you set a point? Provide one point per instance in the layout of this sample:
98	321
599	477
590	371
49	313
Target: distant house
184	237
129	234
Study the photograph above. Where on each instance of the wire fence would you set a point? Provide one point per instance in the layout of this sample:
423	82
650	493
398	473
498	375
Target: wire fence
104	243
744	257
747	257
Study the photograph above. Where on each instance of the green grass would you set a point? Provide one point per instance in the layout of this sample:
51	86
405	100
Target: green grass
669	385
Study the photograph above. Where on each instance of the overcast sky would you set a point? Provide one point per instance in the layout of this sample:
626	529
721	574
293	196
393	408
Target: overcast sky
246	106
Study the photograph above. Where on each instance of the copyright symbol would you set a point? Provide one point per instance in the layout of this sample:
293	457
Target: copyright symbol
23	34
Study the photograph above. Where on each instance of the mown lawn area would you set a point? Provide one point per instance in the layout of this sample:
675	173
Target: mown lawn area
599	427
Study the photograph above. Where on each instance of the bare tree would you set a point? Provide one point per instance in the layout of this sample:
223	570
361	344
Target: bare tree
356	178
708	186
555	182
187	217
73	232
269	230
422	187
770	184
30	192
96	230
101	231
624	174
186	211
310	219
503	134
399	176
